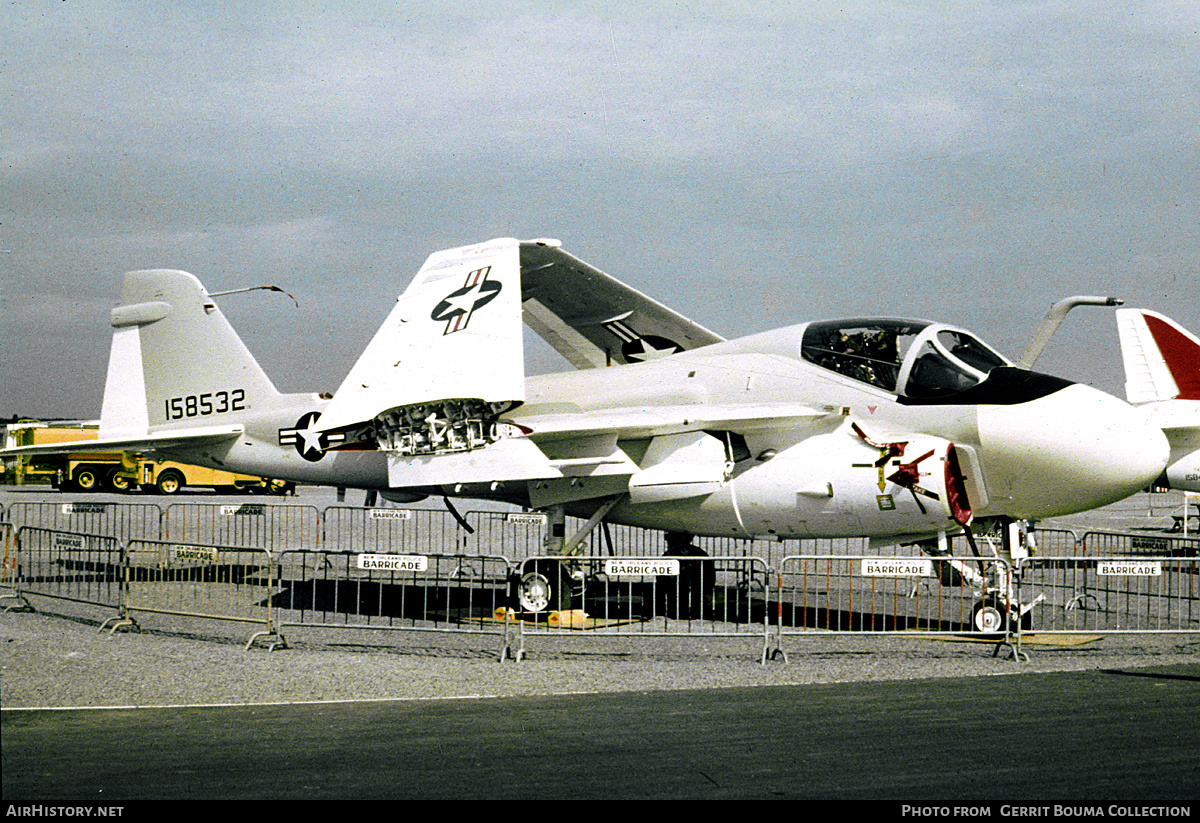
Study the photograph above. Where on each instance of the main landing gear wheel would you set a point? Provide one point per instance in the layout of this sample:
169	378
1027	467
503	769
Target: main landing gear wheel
534	592
543	587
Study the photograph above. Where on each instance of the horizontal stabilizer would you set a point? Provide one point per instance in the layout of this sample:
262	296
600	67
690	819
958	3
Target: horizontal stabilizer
455	333
174	438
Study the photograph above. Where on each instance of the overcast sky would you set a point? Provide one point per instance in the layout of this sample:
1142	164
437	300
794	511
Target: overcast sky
752	165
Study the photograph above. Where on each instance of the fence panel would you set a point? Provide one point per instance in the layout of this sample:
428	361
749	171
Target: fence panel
410	592
83	568
258	525
389	530
515	535
625	596
215	582
1108	544
8	572
889	594
1130	593
1058	542
124	521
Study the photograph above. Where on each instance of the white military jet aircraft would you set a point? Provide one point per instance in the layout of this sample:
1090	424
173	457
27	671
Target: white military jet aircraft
1162	376
895	429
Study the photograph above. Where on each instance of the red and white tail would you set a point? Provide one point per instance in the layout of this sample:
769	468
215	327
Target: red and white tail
1162	359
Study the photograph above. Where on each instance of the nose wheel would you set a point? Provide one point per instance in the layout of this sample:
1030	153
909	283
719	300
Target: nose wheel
993	620
990	617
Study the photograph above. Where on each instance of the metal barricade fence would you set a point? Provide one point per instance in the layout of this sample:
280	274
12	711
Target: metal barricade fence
1106	544
890	594
515	535
124	521
404	531
1056	541
8	572
626	596
84	568
259	525
412	592
1113	594
215	582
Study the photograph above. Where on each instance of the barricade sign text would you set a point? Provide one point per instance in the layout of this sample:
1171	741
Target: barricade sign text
627	567
393	562
896	567
83	508
391	514
69	542
1131	568
246	509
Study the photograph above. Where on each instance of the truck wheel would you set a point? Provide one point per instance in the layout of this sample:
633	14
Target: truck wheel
169	482
118	482
86	479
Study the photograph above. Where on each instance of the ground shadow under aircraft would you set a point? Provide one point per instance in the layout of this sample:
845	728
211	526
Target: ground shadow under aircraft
367	598
731	604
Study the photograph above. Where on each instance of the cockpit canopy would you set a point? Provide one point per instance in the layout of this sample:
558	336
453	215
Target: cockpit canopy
913	358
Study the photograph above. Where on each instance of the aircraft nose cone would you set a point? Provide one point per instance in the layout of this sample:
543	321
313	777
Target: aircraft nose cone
1067	452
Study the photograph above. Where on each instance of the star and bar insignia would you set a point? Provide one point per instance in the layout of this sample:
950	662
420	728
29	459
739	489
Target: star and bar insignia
457	307
309	441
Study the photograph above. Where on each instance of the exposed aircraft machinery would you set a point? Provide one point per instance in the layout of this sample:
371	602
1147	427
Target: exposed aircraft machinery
904	431
440	428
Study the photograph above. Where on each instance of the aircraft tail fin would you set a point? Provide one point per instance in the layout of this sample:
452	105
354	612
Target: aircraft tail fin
175	360
1162	359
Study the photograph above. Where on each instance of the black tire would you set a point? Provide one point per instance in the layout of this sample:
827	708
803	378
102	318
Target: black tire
989	617
118	482
169	482
542	586
87	479
690	594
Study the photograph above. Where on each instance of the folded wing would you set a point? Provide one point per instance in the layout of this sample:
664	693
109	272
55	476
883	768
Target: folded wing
594	320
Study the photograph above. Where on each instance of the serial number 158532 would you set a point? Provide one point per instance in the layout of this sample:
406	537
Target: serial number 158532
217	402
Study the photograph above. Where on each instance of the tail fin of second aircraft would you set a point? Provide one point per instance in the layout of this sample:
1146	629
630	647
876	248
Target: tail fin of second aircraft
175	361
1162	359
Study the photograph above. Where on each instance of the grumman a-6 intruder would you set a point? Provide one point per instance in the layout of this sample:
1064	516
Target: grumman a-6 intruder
898	430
